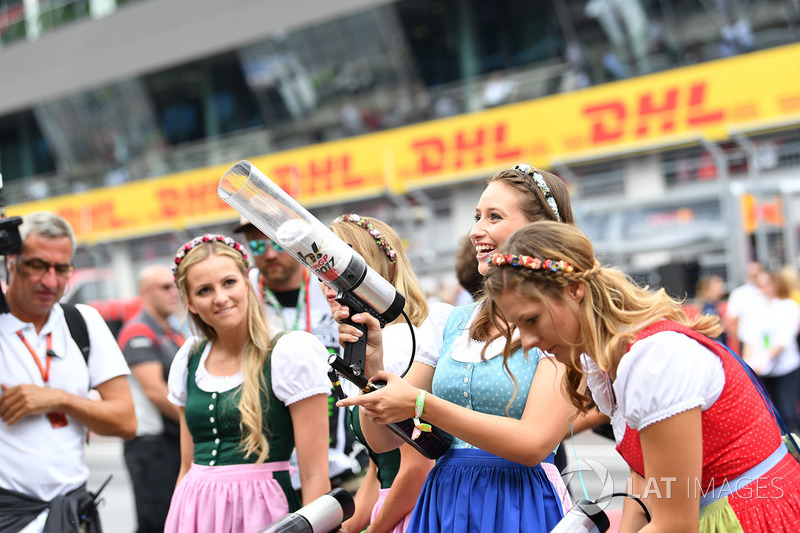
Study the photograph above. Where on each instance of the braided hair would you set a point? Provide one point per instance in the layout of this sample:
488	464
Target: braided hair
613	310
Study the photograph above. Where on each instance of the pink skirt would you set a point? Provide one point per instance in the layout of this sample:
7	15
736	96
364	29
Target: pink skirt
222	499
401	525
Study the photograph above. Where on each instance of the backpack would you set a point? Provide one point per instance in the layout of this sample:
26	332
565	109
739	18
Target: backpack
77	329
80	334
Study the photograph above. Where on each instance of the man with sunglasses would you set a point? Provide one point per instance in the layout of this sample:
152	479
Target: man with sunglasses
45	380
293	301
149	343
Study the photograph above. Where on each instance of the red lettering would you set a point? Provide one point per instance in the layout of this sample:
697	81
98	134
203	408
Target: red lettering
698	115
501	151
170	203
318	177
198	198
608	121
321	174
465	147
649	111
102	217
351	181
431	154
287	178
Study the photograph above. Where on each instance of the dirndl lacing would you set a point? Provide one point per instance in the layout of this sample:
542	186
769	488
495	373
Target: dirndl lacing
731	486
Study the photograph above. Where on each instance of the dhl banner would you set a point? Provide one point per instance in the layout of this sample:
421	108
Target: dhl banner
711	99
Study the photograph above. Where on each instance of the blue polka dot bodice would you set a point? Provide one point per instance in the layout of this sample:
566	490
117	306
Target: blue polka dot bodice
483	386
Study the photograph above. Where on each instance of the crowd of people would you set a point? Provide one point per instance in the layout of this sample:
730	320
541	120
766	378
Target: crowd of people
235	422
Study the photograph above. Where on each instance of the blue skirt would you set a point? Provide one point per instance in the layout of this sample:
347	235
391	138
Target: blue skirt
470	490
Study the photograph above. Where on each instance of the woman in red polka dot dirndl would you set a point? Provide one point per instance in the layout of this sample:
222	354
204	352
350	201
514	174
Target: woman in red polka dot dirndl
704	449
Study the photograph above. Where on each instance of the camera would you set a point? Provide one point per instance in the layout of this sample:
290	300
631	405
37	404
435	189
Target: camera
10	244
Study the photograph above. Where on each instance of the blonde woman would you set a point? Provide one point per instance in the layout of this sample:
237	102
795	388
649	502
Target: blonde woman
704	450
245	401
390	489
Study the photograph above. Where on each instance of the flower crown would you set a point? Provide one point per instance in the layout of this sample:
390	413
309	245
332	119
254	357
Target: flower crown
374	233
526	261
183	250
539	180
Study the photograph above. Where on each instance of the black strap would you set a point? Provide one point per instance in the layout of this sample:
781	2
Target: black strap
77	328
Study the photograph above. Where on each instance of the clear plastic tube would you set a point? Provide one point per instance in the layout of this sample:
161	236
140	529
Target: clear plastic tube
245	188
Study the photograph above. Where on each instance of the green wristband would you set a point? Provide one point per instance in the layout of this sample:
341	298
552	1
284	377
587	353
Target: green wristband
420	404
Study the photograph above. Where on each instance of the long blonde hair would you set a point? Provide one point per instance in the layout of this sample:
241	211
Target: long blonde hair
254	352
400	274
613	310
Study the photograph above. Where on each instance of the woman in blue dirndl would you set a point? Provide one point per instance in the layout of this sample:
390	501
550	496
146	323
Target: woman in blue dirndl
506	418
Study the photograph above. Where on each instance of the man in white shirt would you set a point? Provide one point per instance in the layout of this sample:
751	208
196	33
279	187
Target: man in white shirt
746	306
45	381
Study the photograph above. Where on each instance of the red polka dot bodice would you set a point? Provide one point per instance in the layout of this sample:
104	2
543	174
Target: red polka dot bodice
738	430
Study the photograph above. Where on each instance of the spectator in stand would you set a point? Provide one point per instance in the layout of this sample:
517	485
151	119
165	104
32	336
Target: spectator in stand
774	354
44	404
499	90
149	344
294	302
746	304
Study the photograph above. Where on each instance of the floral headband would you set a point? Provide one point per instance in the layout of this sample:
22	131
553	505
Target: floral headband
183	250
377	235
526	261
539	180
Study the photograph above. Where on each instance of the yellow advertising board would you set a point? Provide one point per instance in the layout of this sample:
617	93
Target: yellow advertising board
709	99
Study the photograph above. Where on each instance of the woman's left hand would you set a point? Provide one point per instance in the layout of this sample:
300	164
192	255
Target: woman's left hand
391	403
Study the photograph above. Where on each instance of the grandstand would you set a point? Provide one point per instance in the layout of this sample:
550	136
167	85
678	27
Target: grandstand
676	122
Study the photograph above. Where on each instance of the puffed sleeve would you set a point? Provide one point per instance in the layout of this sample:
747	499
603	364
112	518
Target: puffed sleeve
431	334
299	367
666	374
179	373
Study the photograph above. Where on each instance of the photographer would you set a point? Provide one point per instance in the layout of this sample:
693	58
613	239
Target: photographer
45	379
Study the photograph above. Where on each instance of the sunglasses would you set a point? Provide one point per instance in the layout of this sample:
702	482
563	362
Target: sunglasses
259	246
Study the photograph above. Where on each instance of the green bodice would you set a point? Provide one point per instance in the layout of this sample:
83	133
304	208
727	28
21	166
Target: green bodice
213	420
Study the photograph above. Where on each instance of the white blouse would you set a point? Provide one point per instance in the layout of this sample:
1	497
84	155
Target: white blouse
662	375
432	331
299	370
